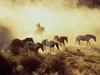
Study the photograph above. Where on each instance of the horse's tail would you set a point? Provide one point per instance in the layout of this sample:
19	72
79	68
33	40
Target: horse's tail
57	45
55	38
77	39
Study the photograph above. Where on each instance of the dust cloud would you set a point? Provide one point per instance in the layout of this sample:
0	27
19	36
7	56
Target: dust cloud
5	37
62	17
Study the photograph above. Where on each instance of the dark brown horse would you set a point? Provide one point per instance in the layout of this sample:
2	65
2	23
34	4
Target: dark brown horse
86	38
35	47
16	44
61	39
27	40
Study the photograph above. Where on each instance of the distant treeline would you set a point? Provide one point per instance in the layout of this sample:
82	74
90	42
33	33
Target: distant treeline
79	3
89	3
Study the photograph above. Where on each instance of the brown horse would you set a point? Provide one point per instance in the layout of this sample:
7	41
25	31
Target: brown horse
36	46
27	40
61	39
86	38
16	44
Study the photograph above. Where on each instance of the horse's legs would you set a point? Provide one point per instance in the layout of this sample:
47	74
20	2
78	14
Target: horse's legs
79	42
51	48
88	43
60	43
64	43
57	45
44	47
36	52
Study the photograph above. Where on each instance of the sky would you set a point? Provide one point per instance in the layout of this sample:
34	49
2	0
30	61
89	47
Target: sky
60	17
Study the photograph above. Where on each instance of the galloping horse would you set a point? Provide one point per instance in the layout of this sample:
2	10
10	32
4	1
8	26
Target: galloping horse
86	37
16	44
50	43
35	47
27	40
61	39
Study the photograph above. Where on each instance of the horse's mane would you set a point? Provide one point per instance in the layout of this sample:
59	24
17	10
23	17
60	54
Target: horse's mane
90	35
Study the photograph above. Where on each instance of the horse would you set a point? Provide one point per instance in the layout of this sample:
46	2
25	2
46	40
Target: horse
35	47
38	46
16	44
40	29
50	43
86	37
61	39
27	40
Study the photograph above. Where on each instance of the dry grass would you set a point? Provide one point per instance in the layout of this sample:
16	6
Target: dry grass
71	61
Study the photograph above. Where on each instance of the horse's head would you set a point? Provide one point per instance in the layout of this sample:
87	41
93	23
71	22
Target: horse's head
28	40
57	45
91	36
40	46
94	38
29	45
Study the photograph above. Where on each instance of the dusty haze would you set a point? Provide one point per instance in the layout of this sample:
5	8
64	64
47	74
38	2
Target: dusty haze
61	17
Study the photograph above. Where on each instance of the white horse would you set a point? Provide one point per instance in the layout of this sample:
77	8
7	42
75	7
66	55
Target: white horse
50	43
39	29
